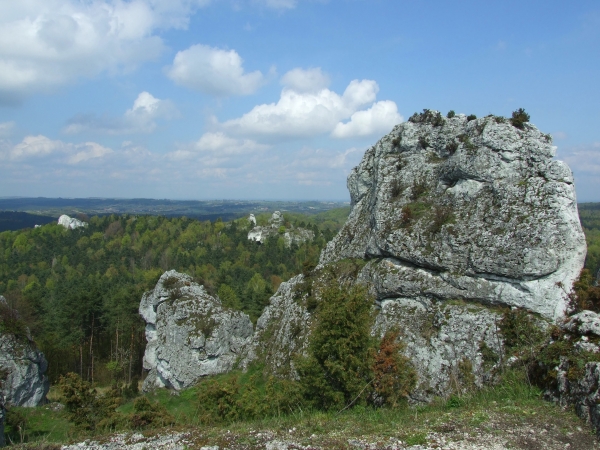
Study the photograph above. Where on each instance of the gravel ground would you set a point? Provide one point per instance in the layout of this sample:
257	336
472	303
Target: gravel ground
495	434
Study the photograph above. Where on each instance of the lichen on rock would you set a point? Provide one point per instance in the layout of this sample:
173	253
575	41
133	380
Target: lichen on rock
23	380
190	334
471	209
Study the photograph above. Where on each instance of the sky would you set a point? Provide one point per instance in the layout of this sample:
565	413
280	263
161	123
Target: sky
274	99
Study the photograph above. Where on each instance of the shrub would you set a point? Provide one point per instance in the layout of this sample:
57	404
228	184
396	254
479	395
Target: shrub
451	147
397	189
419	188
423	142
394	377
82	405
585	295
148	414
406	216
338	368
441	216
427	116
471	117
450	114
519	118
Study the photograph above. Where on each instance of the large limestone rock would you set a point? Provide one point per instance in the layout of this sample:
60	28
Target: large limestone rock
465	209
22	366
70	223
190	334
290	236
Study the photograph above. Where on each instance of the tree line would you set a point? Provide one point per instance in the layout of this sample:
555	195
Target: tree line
79	290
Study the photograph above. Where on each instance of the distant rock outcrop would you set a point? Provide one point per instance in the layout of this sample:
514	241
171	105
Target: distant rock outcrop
70	223
290	235
469	209
22	366
190	334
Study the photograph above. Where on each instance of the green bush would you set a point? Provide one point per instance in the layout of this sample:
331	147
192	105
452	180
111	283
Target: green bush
519	118
450	114
148	414
471	117
338	367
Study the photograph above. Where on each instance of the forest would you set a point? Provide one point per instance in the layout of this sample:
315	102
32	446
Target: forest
79	290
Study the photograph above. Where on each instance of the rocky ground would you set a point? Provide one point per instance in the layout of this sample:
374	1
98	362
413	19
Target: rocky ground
496	434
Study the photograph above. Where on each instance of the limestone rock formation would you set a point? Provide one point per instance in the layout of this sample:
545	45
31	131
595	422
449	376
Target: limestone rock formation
22	365
290	235
190	334
70	223
470	209
281	330
252	219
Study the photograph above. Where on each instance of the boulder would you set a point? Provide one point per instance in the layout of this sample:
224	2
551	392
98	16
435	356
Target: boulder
252	219
22	366
70	223
469	209
190	334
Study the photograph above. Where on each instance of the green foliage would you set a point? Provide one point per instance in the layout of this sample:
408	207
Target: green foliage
10	322
147	414
15	426
246	396
586	295
450	114
471	117
520	331
79	290
427	116
83	405
519	118
338	367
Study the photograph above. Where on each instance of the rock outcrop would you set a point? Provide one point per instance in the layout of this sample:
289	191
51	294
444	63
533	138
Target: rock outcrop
70	223
451	219
290	235
190	334
22	365
469	209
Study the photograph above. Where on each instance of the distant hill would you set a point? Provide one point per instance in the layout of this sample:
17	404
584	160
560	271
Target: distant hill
16	220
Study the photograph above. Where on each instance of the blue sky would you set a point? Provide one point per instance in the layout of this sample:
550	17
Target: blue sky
274	99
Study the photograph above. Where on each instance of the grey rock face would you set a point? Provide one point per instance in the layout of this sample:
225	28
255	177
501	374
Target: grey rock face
190	335
452	346
584	323
22	370
476	210
70	223
281	331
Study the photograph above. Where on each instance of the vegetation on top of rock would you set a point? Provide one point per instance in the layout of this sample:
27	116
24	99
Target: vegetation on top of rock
519	118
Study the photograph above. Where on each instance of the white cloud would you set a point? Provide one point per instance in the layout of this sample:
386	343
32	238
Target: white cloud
6	129
33	148
141	118
304	114
378	119
217	147
300	80
213	71
45	43
584	159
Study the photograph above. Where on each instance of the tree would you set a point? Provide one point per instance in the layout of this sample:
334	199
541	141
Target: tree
338	368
